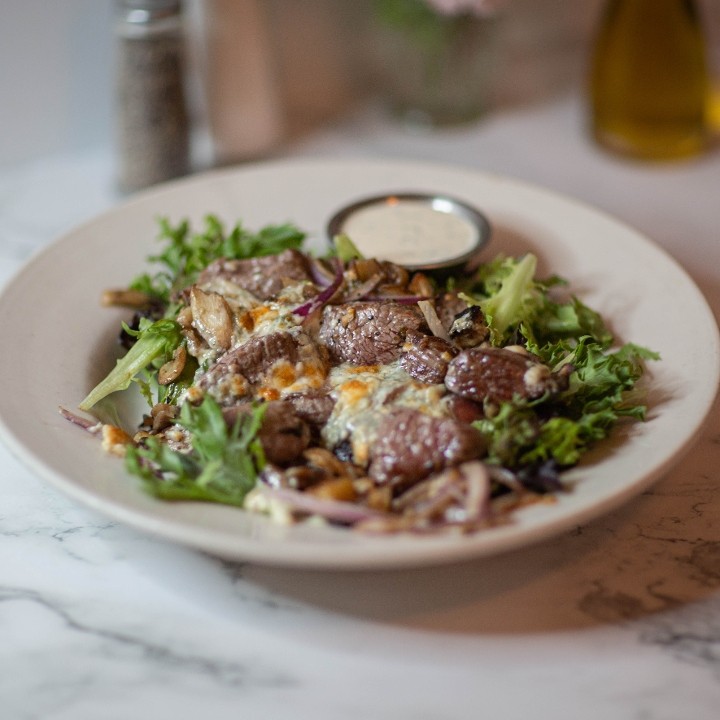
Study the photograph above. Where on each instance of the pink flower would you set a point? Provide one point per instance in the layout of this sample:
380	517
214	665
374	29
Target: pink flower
474	7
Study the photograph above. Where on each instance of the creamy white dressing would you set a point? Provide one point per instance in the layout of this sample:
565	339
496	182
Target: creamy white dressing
410	232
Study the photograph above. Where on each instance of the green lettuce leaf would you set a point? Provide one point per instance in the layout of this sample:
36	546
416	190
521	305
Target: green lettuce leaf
601	391
186	254
155	343
345	249
510	295
222	465
520	308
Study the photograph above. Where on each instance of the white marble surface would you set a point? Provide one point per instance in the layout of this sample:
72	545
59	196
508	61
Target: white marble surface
617	619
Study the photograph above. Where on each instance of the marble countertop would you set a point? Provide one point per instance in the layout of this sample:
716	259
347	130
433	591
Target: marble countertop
619	618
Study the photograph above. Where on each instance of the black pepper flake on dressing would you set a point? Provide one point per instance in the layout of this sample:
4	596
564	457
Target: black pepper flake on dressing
153	129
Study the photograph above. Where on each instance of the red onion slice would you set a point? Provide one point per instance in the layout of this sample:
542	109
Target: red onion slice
334	510
92	426
322	298
477	490
319	273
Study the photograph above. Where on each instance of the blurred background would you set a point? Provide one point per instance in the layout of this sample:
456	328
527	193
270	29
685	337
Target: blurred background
260	74
57	63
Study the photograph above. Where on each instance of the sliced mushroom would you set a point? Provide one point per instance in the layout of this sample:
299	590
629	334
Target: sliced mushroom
469	328
212	318
421	285
366	269
162	416
321	458
340	489
134	299
431	318
172	369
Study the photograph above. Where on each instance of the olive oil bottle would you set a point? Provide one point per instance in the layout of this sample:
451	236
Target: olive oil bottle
649	83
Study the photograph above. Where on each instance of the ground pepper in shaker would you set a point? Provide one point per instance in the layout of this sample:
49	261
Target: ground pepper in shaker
153	127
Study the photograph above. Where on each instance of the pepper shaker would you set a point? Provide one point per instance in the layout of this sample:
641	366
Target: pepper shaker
153	128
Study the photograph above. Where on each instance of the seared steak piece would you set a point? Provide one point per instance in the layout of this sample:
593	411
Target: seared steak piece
314	407
264	277
497	374
426	357
448	307
283	435
411	445
227	380
464	410
255	357
368	333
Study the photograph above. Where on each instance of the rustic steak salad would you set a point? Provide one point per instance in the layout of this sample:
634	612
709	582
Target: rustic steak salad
351	390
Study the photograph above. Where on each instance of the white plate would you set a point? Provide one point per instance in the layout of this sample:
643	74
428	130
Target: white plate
59	342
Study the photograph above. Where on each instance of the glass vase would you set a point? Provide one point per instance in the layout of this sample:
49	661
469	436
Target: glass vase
437	71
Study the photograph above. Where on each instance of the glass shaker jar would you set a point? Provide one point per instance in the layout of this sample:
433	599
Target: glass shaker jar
153	129
649	80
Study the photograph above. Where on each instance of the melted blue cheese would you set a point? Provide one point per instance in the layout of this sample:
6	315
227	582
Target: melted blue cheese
252	317
285	378
235	296
364	394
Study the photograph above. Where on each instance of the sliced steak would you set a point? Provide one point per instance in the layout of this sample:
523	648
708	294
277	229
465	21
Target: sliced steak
448	307
411	445
426	358
314	407
255	357
264	277
368	333
231	376
497	375
283	435
464	410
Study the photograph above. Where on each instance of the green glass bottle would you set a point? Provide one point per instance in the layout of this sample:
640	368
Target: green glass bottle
649	80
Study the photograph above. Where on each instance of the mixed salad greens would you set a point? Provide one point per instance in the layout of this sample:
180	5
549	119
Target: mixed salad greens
215	459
